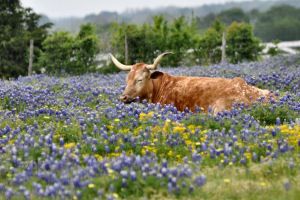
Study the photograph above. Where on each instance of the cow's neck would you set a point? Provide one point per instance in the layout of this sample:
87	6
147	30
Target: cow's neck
158	86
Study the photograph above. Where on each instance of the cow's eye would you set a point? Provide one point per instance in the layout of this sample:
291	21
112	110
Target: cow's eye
139	80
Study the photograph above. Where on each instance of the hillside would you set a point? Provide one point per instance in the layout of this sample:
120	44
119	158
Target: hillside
145	15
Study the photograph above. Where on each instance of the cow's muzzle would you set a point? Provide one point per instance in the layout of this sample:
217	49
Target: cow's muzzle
126	98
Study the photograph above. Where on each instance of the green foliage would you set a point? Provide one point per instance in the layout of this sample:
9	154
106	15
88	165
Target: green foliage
273	51
207	47
226	17
241	43
234	14
279	22
179	40
146	42
267	114
208	122
71	54
17	26
7	103
58	52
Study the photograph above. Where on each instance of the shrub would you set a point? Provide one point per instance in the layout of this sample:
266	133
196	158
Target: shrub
241	43
70	54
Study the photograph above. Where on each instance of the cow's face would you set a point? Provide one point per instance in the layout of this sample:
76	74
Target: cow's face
139	84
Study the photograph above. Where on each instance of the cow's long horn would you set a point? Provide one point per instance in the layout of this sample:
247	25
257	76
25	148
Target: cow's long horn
157	60
120	65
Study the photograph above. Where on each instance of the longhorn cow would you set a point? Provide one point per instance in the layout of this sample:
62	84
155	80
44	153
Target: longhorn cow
185	92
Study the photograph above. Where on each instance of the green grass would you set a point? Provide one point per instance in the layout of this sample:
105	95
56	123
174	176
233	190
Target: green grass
267	115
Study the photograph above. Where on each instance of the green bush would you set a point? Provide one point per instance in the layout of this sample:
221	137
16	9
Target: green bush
268	114
207	47
273	51
71	54
241	43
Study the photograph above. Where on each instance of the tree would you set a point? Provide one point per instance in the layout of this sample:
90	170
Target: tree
58	53
279	22
207	47
17	26
71	54
241	43
233	14
178	41
205	22
87	47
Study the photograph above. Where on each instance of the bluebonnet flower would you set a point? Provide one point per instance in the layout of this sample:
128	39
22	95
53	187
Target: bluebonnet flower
287	185
200	180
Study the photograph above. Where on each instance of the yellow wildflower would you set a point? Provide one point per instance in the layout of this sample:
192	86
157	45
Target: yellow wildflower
179	129
129	152
56	136
192	127
248	156
11	141
262	184
69	145
110	171
227	180
144	115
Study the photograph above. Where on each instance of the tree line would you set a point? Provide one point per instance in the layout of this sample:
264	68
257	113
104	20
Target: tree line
280	22
146	42
61	52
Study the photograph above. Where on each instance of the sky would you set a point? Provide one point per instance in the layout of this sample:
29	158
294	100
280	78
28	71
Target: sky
80	8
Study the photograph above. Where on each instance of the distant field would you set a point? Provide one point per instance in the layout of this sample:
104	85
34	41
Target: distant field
71	138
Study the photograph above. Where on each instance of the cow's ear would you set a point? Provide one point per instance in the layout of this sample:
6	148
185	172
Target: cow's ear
156	74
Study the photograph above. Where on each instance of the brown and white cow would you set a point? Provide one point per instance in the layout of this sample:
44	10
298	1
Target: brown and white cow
185	92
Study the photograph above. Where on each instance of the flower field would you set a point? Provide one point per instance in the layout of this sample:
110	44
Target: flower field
71	138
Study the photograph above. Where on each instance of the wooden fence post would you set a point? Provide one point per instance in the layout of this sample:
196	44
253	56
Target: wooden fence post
30	58
224	47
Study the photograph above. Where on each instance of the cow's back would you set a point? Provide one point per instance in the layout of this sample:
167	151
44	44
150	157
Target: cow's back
219	93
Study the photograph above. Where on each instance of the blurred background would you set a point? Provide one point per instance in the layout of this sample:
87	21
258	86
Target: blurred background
75	37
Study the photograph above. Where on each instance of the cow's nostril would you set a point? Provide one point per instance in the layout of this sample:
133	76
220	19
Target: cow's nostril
123	98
